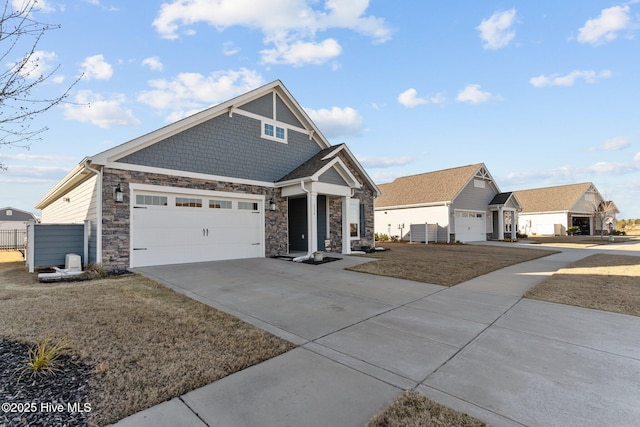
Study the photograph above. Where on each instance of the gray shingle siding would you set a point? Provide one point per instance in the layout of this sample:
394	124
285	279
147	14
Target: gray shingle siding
332	177
283	114
262	106
228	146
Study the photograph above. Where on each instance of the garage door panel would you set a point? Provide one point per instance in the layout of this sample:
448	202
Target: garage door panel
176	234
470	226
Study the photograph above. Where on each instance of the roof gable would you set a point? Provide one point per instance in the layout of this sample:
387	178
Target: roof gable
431	187
507	199
554	199
271	101
12	214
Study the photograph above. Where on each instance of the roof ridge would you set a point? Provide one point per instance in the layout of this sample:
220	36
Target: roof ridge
436	171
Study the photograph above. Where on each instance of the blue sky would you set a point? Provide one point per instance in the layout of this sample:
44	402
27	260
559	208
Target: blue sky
544	93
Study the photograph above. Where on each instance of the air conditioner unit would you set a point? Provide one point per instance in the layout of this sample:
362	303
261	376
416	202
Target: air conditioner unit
72	262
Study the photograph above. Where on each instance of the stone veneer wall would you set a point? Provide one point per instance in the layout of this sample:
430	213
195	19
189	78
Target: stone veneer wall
335	223
116	220
366	196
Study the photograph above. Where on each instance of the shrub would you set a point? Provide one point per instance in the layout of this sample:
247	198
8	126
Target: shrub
43	357
572	231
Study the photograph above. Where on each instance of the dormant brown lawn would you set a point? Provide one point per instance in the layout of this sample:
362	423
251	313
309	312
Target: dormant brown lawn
445	264
602	282
147	343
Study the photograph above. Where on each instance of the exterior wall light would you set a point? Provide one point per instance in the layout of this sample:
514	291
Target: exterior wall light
272	205
119	195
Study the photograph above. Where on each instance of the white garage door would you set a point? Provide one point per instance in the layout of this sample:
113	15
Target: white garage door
470	226
171	228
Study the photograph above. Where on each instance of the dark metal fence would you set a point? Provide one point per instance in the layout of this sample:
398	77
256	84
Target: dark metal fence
12	239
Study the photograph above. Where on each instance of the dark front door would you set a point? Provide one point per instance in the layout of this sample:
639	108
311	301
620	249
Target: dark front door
298	237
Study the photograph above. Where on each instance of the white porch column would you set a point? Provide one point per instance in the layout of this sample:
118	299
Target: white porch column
346	232
500	223
312	222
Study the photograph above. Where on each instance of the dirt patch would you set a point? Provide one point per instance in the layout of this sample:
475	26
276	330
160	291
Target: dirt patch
414	410
147	343
444	264
601	282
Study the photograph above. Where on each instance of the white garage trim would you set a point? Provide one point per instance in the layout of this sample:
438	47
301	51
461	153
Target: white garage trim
165	232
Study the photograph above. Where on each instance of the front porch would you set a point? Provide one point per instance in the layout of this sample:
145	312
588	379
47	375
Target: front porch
504	210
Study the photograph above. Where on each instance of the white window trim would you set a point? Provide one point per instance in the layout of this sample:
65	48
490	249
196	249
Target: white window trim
275	125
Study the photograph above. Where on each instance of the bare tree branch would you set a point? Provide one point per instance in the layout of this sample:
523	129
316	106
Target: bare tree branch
18	107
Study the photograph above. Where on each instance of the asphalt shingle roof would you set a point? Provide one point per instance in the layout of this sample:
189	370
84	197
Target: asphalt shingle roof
430	187
500	198
551	199
311	166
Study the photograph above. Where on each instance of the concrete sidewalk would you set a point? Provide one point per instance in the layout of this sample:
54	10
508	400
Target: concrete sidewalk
476	347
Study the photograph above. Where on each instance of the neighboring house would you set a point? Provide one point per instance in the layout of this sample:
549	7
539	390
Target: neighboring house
550	211
15	219
461	204
250	177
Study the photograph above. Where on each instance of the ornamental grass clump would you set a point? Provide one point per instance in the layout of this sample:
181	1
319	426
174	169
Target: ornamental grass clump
43	357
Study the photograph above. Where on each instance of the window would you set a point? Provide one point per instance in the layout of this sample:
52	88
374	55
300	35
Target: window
354	218
188	203
9	212
249	206
276	133
151	200
220	204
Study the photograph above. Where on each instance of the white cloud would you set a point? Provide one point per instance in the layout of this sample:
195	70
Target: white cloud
496	31
194	91
605	28
289	25
35	65
40	6
36	158
384	162
300	53
473	95
588	76
96	68
409	98
337	121
230	49
153	63
572	174
613	144
91	108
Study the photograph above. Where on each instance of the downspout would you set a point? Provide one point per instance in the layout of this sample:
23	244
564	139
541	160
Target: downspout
98	211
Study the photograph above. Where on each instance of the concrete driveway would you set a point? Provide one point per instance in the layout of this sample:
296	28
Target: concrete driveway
476	347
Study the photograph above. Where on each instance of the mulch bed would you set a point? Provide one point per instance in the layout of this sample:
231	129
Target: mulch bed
43	399
325	260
